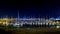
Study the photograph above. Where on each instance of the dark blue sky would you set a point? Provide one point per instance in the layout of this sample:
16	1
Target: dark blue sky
31	8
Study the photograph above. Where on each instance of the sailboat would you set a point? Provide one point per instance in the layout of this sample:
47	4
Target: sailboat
16	24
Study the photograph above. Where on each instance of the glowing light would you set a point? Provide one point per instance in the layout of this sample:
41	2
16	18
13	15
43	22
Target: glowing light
5	22
57	22
57	26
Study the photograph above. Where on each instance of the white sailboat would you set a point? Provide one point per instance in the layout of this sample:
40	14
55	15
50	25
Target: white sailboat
17	24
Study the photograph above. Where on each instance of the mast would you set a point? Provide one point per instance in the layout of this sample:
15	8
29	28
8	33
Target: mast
18	17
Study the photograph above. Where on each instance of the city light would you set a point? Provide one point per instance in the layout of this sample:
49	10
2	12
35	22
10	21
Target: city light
20	22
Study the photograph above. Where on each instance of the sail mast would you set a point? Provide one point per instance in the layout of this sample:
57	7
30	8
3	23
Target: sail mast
18	16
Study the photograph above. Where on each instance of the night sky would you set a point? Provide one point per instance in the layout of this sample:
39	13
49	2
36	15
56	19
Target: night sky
30	8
